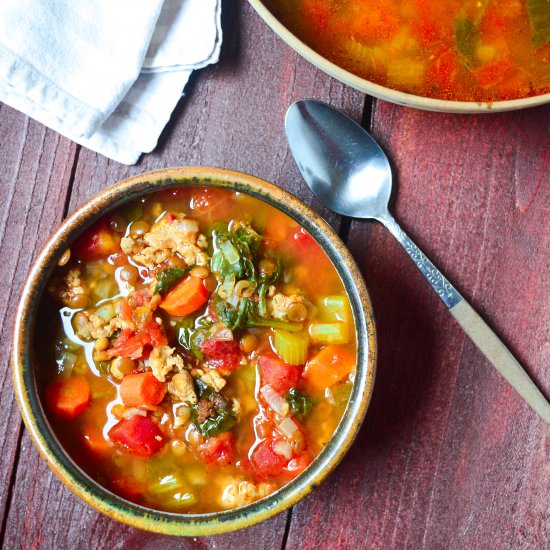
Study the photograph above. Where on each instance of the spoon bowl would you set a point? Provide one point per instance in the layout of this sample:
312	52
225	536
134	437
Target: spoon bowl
351	175
342	164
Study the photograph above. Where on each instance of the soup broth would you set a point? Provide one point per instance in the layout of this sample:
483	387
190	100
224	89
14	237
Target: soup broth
474	50
204	350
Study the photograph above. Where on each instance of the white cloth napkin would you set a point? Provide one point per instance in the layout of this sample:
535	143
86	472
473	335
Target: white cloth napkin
105	73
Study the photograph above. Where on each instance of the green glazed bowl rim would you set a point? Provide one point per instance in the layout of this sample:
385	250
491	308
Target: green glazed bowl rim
25	384
390	94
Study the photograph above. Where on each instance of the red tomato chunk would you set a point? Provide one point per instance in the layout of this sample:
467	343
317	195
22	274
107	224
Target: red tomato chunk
218	450
139	435
221	354
96	243
280	376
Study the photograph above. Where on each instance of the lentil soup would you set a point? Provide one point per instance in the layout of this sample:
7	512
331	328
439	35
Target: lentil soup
204	350
458	50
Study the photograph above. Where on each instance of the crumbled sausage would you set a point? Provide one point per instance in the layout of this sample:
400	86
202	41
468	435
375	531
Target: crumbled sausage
71	288
239	493
210	377
89	326
280	303
236	407
164	360
179	236
181	387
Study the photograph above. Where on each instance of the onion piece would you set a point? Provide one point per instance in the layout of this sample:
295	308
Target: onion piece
283	448
133	411
274	400
288	427
223	334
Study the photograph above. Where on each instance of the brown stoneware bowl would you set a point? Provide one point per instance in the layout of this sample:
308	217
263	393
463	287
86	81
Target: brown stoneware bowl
24	354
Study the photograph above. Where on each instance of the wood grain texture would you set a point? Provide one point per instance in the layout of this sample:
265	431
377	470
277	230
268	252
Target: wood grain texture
449	456
232	117
35	166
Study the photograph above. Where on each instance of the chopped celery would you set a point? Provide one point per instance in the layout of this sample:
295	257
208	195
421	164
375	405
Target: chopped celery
247	375
166	484
291	347
329	333
341	393
173	491
335	308
66	362
184	499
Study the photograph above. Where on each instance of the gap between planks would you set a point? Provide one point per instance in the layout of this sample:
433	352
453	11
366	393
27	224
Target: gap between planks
22	428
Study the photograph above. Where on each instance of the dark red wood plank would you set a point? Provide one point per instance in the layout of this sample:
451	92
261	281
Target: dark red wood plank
233	117
449	456
35	167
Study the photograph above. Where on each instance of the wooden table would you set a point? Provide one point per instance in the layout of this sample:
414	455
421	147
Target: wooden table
449	456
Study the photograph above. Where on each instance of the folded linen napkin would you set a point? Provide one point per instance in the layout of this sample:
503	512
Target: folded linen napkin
105	74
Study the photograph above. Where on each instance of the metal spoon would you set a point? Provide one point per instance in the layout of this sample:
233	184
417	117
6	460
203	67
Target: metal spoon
346	168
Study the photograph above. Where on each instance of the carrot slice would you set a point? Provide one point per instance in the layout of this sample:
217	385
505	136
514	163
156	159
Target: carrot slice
141	389
185	298
329	366
68	398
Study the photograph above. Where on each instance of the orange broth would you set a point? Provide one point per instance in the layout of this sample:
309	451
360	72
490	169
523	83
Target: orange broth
128	419
473	50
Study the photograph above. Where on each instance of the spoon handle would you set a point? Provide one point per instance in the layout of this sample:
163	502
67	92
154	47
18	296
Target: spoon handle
473	325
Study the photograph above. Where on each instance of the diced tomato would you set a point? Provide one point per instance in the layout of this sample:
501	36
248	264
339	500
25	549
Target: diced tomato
221	354
280	376
127	488
316	14
443	71
170	217
433	21
379	22
211	202
301	241
139	435
296	465
68	398
125	310
493	73
138	344
96	243
218	450
141	389
265	462
153	333
494	23
175	194
278	226
127	344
